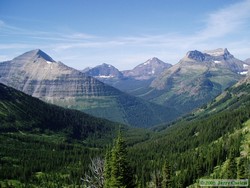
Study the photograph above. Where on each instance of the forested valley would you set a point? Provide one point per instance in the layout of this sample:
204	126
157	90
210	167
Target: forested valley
49	146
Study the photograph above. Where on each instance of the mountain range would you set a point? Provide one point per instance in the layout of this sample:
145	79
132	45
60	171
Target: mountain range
129	80
196	79
144	71
152	93
37	74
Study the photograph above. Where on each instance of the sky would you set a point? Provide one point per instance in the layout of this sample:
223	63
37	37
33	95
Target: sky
124	33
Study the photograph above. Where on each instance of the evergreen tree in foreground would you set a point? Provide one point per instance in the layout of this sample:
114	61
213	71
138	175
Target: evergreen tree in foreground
118	174
166	172
107	169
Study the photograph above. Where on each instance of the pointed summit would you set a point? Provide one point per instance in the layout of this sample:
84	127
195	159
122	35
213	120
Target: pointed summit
43	55
104	71
147	70
154	61
34	55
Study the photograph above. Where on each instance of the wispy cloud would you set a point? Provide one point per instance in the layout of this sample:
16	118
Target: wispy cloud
227	20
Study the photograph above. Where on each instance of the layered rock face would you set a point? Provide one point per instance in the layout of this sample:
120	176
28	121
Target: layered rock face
37	74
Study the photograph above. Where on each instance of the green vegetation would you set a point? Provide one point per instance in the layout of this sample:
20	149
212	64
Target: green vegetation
48	146
117	170
30	160
22	113
197	145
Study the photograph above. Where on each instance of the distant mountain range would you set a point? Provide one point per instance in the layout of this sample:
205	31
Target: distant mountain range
129	80
195	80
147	70
37	74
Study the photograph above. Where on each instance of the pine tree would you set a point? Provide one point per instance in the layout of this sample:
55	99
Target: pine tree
121	175
231	169
166	172
107	169
241	168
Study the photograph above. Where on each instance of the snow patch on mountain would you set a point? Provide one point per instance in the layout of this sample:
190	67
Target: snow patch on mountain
217	62
245	66
104	76
243	72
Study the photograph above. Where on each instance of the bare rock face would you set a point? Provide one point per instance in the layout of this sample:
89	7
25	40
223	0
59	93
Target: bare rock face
37	74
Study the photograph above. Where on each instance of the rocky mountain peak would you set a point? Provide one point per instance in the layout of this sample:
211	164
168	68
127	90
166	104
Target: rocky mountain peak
147	70
154	60
217	52
152	63
104	71
106	65
34	55
195	55
220	52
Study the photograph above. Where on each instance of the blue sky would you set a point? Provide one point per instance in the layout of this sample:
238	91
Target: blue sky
124	33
